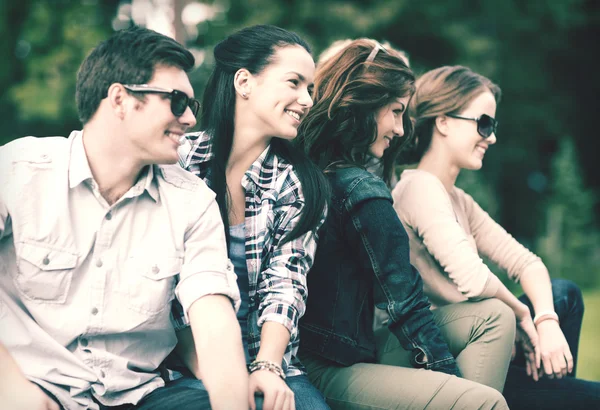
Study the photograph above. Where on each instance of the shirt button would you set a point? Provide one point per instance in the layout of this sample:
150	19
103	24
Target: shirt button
155	269
94	311
99	263
84	342
102	374
108	216
46	260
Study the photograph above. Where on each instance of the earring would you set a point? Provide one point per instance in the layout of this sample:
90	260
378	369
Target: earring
244	95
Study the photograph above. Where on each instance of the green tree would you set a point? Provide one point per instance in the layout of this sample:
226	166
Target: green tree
570	246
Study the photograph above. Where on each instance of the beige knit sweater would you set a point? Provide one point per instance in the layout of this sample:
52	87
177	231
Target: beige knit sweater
448	232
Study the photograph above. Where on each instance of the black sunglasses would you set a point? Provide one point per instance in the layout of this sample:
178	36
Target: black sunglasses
179	100
486	125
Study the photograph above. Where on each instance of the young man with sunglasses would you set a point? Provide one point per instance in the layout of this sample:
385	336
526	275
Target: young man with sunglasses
99	232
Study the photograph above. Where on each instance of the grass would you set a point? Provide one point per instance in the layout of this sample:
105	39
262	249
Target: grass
588	364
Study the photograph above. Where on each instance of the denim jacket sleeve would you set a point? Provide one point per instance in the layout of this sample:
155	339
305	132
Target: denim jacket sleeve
378	237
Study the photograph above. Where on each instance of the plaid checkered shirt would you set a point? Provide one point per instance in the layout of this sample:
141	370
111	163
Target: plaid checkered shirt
276	271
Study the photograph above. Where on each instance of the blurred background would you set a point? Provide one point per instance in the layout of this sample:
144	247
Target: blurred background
539	181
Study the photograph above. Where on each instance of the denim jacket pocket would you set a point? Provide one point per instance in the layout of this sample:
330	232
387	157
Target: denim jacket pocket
151	282
44	273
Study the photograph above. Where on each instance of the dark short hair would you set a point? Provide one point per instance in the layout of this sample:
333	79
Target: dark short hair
128	57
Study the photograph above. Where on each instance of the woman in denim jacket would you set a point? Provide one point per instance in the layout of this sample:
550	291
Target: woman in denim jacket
271	199
366	308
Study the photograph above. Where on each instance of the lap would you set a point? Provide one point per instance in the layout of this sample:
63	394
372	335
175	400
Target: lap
379	386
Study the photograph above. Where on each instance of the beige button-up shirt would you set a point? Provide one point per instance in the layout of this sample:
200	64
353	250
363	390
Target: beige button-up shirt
86	287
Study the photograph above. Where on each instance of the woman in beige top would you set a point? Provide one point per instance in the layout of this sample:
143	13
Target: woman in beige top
454	110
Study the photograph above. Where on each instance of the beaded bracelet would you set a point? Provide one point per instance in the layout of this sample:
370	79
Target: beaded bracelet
266	365
543	316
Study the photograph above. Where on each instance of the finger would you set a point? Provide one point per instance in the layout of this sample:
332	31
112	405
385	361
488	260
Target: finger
569	359
528	368
251	400
292	401
269	401
547	365
559	365
279	401
534	370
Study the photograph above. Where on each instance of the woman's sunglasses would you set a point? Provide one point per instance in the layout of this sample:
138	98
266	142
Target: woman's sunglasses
486	125
179	100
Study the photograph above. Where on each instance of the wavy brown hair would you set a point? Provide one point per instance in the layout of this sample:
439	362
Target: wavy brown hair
349	91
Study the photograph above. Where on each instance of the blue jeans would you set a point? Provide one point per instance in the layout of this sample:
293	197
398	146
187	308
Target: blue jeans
307	396
522	392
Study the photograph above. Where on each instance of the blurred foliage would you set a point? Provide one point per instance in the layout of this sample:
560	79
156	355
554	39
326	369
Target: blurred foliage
540	52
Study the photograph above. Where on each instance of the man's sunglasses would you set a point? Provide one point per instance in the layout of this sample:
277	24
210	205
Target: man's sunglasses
179	100
486	125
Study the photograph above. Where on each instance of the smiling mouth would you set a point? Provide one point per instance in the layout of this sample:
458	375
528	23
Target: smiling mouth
177	138
293	114
480	150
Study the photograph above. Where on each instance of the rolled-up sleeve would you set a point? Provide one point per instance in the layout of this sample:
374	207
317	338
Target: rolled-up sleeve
282	287
206	269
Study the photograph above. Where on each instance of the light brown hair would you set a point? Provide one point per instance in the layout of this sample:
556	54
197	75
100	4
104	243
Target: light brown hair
445	90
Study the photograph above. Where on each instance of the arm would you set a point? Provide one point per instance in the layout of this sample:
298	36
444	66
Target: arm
282	293
523	266
380	242
206	290
220	356
425	206
18	393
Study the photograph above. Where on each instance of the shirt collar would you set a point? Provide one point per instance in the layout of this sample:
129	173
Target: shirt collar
79	170
258	171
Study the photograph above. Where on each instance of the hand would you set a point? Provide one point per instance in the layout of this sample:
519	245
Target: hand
557	359
528	338
25	395
278	395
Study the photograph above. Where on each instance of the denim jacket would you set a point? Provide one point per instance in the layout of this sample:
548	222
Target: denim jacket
362	261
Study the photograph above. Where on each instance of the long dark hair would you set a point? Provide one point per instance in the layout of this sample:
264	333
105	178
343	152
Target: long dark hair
253	48
349	90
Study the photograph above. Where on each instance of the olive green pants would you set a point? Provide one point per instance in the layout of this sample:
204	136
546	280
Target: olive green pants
479	334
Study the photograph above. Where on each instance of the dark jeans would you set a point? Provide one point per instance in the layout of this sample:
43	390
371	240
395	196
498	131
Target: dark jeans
522	392
174	396
307	397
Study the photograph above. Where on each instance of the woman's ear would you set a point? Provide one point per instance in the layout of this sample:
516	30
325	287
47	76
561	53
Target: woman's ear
242	82
441	124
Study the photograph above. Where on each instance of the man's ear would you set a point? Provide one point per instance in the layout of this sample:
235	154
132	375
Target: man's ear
242	81
118	99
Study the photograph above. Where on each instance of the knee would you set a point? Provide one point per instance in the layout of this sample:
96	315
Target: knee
485	397
567	295
500	314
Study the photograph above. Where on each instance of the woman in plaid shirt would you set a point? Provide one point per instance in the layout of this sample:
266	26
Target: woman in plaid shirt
272	200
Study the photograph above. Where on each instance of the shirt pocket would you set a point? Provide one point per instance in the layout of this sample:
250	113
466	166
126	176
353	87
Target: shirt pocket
151	282
44	273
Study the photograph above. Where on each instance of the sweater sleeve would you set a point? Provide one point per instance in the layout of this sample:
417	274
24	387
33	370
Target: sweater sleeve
494	242
424	205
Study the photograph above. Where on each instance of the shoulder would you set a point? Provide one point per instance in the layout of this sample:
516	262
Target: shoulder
417	186
353	185
35	150
178	178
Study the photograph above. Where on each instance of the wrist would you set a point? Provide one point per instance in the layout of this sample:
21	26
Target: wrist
522	311
544	317
268	365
